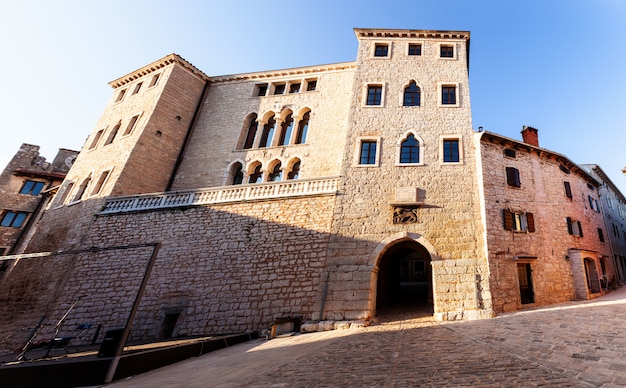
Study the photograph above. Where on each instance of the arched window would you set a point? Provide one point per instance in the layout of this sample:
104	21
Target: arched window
268	133
412	95
286	130
256	175
237	174
295	171
410	150
251	132
276	174
82	189
303	127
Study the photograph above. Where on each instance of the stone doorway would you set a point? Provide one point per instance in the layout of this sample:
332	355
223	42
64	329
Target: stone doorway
404	283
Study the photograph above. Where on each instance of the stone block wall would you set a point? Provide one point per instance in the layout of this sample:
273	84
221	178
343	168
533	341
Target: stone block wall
227	268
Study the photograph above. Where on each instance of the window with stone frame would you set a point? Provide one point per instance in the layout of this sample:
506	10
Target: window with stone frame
66	193
448	95
381	49
131	125
303	128
13	219
286	129
236	174
257	174
113	133
100	182
374	95
412	95
513	177
311	85
154	80
368	152
32	187
415	49
251	130
137	88
276	173
574	227
446	51
96	139
410	150
294	173
268	133
279	89
120	95
82	189
260	90
451	151
518	221
294	87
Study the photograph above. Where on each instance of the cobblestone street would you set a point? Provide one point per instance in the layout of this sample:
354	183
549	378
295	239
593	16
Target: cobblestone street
574	344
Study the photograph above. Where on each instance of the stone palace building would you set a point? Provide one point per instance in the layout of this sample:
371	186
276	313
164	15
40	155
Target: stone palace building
325	193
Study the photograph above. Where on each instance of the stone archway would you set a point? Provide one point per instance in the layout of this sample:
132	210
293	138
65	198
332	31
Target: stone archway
404	281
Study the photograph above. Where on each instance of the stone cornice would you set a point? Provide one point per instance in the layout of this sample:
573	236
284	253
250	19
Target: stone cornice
416	34
541	152
292	72
156	66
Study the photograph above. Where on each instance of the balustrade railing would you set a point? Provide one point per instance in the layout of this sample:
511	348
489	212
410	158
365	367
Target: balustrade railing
222	194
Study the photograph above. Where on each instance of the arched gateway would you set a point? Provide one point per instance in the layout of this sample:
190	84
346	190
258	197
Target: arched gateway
402	279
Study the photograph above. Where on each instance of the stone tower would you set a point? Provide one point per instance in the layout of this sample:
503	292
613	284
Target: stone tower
134	148
410	206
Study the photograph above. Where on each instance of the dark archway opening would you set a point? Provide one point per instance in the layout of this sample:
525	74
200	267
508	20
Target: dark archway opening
404	282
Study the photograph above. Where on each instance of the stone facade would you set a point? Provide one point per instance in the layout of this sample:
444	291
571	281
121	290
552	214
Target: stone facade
333	192
25	187
537	248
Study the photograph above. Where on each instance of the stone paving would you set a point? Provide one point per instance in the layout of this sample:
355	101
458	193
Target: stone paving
576	344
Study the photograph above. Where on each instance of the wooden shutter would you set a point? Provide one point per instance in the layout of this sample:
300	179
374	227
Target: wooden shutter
507	217
570	228
568	190
580	228
530	221
512	177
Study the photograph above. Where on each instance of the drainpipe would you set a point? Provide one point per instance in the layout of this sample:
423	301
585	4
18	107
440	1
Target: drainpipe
192	125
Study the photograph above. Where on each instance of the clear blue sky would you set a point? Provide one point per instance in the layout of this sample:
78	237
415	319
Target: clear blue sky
557	65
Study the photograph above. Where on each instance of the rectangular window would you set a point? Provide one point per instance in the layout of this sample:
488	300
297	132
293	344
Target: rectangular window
120	96
155	79
564	169
374	94
451	152
32	187
137	88
512	177
279	89
574	227
368	152
600	235
446	51
100	182
131	125
66	193
96	139
448	95
415	49
13	219
510	153
518	221
381	50
311	85
294	88
568	190
261	90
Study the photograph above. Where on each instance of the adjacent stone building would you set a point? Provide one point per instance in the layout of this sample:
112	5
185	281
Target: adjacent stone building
327	193
26	184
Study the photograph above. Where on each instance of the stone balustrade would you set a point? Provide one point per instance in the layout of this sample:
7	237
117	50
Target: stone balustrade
223	194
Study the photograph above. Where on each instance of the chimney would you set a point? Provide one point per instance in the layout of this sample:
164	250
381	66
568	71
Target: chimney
530	136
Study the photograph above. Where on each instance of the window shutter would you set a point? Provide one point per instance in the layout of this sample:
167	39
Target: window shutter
580	228
570	228
512	177
507	216
530	220
568	190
